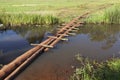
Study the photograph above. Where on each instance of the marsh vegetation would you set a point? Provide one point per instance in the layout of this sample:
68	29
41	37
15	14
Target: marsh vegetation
108	16
92	70
25	19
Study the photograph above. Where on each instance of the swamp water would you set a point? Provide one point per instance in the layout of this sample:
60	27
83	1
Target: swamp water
97	42
15	41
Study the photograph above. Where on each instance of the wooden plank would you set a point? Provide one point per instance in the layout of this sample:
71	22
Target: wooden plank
63	39
75	28
43	45
73	34
52	37
63	35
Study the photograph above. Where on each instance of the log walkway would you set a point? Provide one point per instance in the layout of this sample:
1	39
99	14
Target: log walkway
10	70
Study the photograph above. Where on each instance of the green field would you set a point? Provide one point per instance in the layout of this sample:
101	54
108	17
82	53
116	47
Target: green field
40	6
62	8
65	10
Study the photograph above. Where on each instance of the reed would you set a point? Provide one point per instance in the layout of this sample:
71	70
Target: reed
27	19
92	70
112	15
108	16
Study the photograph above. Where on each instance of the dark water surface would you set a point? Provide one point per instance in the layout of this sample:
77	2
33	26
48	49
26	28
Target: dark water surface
15	41
97	42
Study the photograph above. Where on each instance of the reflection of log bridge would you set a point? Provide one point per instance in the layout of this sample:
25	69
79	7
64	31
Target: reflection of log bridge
10	70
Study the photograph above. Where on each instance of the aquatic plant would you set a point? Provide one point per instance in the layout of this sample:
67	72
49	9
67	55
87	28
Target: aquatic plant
92	70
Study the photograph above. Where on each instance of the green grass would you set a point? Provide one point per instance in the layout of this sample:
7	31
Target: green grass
38	5
65	10
108	16
92	70
25	19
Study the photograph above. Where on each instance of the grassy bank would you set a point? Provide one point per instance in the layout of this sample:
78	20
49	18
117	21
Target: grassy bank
64	10
91	70
107	16
25	19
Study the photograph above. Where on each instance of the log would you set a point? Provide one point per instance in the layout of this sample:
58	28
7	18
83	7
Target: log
7	69
18	69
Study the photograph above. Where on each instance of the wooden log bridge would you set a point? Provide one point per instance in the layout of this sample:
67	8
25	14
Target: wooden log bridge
9	71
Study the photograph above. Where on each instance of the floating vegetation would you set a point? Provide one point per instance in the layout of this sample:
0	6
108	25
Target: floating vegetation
27	19
92	70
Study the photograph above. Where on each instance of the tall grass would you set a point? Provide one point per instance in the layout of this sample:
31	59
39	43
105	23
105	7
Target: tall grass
113	15
109	70
27	19
109	16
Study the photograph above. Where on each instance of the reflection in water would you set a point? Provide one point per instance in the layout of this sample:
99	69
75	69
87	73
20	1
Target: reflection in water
9	41
110	41
32	34
15	41
107	33
98	42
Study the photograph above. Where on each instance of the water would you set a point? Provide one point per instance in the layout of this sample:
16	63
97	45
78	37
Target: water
97	42
15	41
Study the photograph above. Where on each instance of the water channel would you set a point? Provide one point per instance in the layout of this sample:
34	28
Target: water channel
97	42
